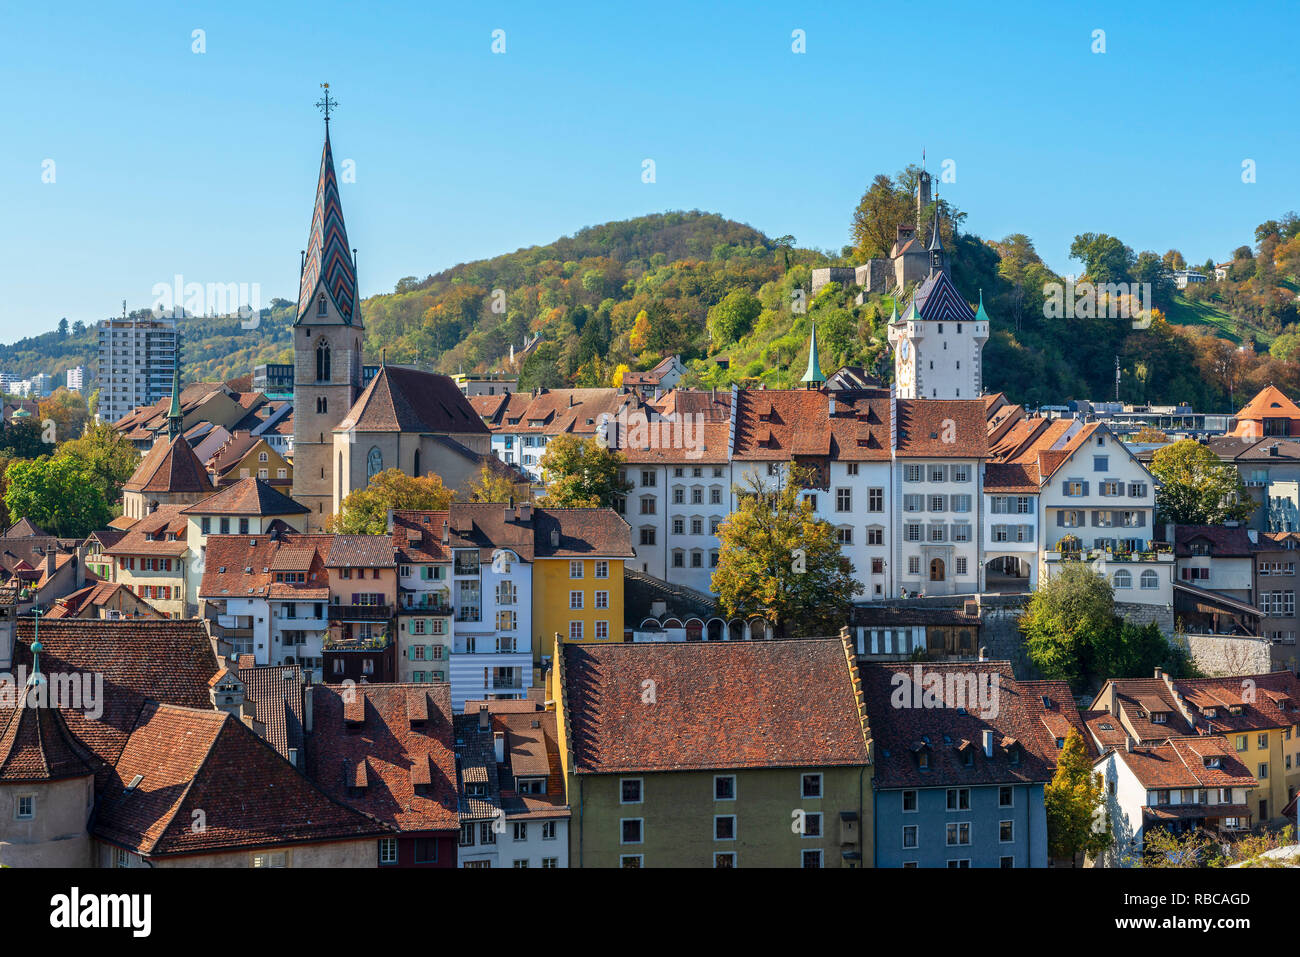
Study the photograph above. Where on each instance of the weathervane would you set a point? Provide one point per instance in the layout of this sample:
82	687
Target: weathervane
326	103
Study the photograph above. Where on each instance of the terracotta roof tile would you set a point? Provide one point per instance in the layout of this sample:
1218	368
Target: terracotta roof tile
717	705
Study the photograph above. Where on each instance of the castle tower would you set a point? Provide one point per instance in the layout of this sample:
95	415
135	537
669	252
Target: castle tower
922	198
939	340
327	343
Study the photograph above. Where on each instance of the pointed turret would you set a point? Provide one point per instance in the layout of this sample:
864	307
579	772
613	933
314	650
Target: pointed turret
328	267
175	418
938	259
980	314
813	377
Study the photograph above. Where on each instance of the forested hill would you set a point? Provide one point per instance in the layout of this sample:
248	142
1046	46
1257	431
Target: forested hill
621	295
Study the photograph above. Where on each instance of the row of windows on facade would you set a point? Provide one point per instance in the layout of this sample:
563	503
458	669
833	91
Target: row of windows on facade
1078	518
809	858
632	790
487	830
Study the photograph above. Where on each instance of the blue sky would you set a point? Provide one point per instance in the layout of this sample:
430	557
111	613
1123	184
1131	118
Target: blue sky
168	161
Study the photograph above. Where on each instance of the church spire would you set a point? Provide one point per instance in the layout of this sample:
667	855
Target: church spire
813	377
328	267
175	418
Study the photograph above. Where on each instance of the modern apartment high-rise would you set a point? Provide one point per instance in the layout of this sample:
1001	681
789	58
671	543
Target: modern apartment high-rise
136	360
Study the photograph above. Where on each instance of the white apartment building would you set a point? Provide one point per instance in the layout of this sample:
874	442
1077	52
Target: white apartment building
136	360
75	378
464	602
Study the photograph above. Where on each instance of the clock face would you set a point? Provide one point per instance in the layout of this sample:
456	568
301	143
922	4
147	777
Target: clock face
904	350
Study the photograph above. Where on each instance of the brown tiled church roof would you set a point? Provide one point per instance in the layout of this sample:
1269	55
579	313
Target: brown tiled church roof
170	467
408	400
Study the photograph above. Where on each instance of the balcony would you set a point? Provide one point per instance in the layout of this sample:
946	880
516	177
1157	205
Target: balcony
360	612
1070	549
347	641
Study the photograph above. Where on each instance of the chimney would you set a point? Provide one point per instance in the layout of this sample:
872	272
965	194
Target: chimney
499	744
510	509
446	534
984	653
483	717
555	538
525	511
988	743
1128	744
830	405
307	699
293	756
1159	674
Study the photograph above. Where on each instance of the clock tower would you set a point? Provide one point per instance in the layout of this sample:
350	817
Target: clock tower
939	340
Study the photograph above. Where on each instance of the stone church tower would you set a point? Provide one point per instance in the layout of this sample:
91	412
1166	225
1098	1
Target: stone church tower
327	338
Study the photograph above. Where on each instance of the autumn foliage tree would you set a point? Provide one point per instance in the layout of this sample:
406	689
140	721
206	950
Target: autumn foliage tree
1196	488
1075	799
778	561
365	510
581	473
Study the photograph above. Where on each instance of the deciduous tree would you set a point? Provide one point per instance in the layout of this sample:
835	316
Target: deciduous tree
1073	798
365	511
581	473
1196	488
778	561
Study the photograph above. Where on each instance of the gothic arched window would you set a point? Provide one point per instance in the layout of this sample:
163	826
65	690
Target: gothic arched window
320	305
322	363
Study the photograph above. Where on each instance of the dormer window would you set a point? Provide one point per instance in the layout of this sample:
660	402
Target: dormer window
1159	717
1212	761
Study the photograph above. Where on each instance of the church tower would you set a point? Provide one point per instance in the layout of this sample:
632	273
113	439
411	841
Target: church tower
327	339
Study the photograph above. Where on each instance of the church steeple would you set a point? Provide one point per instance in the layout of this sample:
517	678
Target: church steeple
813	377
175	418
328	267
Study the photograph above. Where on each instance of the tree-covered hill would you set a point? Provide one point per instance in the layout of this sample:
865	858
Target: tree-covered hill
622	295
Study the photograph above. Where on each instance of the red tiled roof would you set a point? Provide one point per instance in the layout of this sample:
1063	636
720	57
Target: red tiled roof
165	660
390	745
206	761
950	727
250	496
1135	699
1179	762
408	400
170	467
942	428
241	566
149	535
1224	541
1269	700
716	705
35	744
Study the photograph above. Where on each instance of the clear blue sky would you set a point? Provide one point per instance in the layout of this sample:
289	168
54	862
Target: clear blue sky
168	161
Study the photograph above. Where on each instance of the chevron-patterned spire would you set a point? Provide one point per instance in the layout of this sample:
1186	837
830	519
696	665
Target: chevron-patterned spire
329	257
